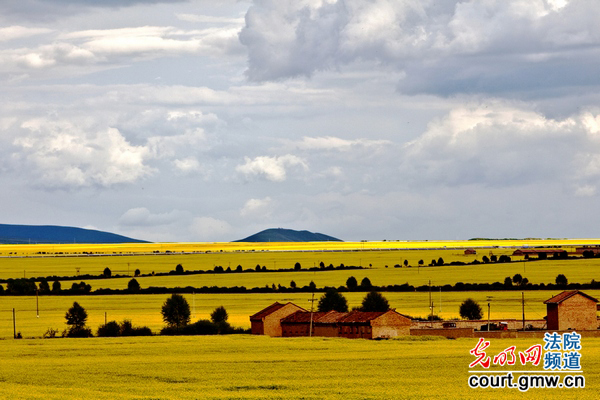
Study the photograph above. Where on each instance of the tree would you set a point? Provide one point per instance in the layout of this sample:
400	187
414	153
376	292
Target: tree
517	279
440	261
351	283
239	268
257	268
507	282
293	285
493	258
561	280
421	263
297	266
365	283
524	282
176	311
133	285
44	287
137	272
312	285
333	300
107	272
76	316
406	263
374	301
322	265
470	309
485	259
179	269
56	286
219	315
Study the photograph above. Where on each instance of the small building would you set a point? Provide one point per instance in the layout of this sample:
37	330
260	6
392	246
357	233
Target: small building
299	323
268	320
373	325
469	252
540	253
572	310
327	325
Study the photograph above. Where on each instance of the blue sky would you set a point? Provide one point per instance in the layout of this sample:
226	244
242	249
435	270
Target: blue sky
209	121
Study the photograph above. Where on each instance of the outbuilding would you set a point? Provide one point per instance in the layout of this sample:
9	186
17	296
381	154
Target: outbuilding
268	320
572	310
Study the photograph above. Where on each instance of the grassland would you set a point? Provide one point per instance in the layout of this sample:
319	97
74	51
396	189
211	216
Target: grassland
145	309
249	367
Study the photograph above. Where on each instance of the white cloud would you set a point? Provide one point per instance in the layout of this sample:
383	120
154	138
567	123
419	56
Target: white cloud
336	143
142	217
188	165
271	168
18	32
498	144
257	207
64	154
210	229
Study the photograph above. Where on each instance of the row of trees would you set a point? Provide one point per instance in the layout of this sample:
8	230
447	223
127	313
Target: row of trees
333	300
176	314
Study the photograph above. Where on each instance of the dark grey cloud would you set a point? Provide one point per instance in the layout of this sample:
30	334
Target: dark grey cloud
507	48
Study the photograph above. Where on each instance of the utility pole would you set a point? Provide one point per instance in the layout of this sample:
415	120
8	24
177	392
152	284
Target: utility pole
523	303
488	316
14	324
312	304
430	307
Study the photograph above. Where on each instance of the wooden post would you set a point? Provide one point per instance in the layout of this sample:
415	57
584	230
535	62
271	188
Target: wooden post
14	324
312	304
488	316
523	302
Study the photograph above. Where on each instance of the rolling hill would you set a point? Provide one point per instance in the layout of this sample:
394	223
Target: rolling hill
288	235
23	234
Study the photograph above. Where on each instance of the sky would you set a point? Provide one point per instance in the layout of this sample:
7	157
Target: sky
364	120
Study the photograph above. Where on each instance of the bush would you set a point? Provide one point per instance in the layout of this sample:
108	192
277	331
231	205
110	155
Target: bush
110	329
56	286
133	285
297	266
50	333
137	272
470	309
375	301
107	272
179	269
75	332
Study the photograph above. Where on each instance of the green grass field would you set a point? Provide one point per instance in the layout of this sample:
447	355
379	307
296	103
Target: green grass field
251	367
145	309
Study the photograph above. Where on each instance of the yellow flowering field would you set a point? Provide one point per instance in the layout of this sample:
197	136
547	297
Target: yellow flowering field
251	367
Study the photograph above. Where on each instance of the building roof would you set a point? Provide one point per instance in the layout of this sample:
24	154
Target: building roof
559	298
301	317
271	309
360	316
331	317
538	251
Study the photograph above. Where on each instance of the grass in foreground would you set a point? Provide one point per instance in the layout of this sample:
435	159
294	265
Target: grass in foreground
250	367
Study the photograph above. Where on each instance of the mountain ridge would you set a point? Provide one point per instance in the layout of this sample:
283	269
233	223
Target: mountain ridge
288	235
56	234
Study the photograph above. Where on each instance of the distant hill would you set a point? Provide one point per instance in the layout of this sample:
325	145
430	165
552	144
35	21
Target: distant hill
22	234
288	235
